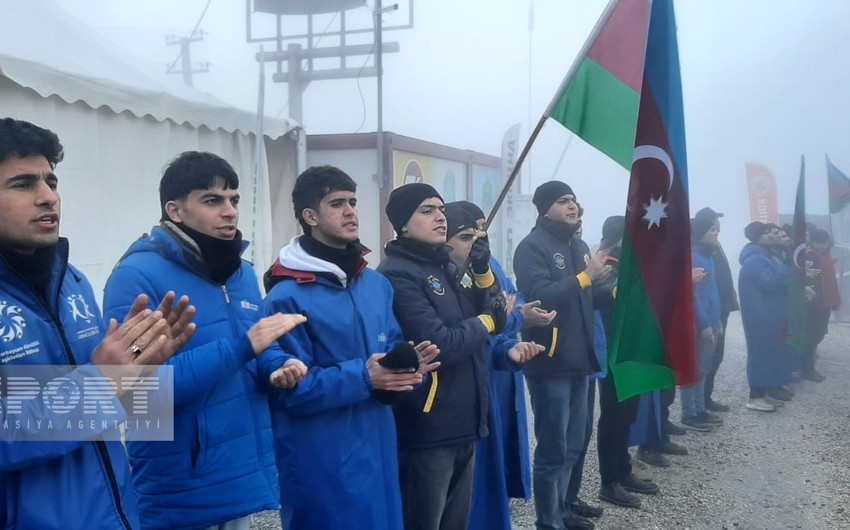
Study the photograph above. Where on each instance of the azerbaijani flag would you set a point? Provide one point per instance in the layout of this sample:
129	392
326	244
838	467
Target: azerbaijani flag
599	98
797	315
839	188
624	97
653	338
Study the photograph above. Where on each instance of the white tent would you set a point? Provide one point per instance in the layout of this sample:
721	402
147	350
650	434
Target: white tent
120	126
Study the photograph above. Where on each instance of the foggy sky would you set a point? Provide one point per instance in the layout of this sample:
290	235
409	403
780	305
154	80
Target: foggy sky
764	81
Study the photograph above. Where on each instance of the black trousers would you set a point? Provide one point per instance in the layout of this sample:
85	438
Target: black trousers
612	432
816	329
436	486
718	358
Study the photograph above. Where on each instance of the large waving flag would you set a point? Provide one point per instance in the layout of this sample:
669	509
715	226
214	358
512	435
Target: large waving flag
623	95
599	99
653	338
839	188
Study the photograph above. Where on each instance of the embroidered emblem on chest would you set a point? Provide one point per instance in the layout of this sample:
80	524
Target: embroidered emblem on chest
466	282
559	260
12	324
436	285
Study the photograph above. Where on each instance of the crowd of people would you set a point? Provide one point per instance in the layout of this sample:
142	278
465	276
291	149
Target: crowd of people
353	398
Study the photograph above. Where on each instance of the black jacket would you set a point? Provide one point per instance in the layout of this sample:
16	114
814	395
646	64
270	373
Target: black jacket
725	284
547	265
428	306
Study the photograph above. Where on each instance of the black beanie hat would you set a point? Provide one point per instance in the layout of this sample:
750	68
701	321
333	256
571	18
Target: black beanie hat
548	194
473	209
612	231
405	200
700	226
755	230
458	219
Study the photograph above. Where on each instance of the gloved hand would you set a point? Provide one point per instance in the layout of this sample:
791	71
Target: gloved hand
479	255
497	313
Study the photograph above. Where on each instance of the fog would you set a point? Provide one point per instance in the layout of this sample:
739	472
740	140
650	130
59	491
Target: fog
763	81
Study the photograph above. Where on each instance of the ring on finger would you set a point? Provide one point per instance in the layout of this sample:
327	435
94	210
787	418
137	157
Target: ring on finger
136	349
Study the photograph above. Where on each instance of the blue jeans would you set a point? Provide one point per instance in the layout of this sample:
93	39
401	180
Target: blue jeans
693	397
560	421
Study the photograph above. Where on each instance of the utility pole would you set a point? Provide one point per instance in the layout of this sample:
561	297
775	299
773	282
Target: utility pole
185	57
379	63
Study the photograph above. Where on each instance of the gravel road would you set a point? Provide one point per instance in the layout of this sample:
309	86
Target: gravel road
784	470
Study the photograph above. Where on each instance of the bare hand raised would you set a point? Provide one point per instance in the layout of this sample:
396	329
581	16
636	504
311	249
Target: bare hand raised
267	330
533	315
524	352
288	375
596	268
427	352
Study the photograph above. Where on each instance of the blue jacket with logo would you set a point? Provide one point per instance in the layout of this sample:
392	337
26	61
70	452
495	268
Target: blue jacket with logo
221	463
57	484
335	443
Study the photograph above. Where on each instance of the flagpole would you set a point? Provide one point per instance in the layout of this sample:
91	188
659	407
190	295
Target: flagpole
261	97
603	19
829	206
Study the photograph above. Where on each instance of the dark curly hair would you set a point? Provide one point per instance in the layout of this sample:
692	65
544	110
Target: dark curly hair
313	184
21	138
194	170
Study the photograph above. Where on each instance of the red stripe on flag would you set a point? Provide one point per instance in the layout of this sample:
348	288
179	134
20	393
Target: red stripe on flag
621	45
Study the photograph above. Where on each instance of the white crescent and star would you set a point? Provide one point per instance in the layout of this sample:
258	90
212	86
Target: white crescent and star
656	210
797	251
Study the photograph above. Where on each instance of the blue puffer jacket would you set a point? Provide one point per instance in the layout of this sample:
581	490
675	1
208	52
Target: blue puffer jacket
707	308
58	484
336	444
221	464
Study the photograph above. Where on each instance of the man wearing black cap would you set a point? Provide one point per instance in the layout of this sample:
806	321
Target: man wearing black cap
437	439
490	501
728	304
557	268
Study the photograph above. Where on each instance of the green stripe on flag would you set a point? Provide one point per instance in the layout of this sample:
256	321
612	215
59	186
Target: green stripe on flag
642	364
602	110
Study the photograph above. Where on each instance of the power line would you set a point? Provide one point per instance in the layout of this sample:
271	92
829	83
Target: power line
198	23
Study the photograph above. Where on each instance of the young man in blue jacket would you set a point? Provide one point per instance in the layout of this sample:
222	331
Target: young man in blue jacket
553	266
437	440
707	311
49	316
335	435
220	468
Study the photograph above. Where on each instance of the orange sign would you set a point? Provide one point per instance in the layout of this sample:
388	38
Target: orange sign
761	185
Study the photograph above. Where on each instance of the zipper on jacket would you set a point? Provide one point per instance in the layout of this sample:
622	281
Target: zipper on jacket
100	444
226	296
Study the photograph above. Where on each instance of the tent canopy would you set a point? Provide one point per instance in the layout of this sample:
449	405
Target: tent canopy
44	48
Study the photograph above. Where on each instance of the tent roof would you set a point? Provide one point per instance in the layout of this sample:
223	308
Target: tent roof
48	50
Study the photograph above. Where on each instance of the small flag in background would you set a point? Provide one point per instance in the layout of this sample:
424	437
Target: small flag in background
839	188
796	317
